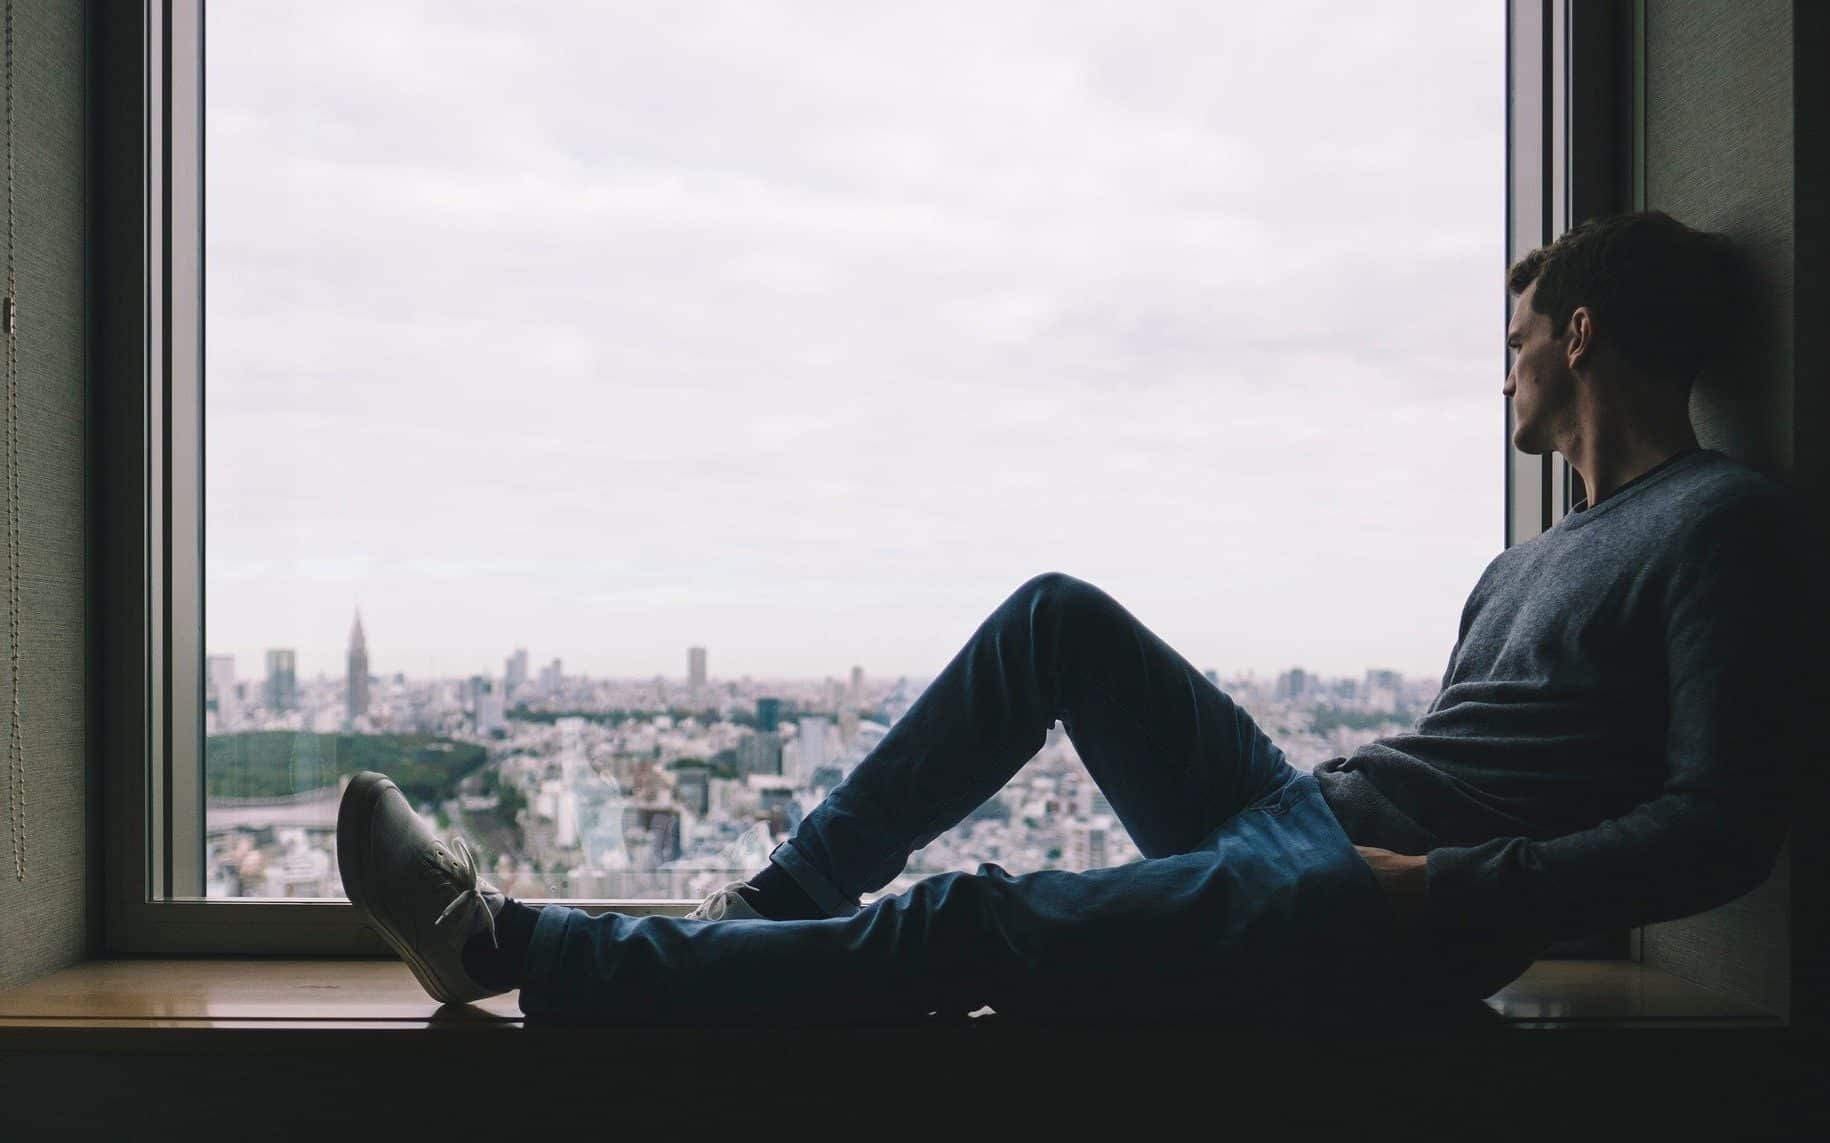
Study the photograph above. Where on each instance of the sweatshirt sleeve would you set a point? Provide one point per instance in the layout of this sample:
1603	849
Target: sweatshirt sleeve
1735	609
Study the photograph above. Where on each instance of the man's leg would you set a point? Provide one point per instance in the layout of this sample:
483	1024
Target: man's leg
1172	753
1277	920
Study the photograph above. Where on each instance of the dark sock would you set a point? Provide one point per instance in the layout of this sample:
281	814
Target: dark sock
498	965
775	895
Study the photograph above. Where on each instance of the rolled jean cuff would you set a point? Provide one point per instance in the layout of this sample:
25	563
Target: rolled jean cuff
812	882
543	945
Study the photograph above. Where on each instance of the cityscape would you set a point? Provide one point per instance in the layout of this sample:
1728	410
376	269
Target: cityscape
665	788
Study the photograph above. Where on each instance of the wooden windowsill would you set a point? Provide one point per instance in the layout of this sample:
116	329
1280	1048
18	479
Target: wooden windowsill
1618	993
378	995
328	1049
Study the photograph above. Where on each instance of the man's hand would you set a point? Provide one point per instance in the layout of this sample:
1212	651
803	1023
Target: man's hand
1405	879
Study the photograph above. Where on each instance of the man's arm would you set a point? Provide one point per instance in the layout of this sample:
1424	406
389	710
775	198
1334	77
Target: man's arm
1735	610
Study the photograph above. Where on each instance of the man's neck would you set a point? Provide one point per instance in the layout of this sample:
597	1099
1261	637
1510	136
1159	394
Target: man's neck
1608	449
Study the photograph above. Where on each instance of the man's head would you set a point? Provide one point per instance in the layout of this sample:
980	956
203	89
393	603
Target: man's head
1629	307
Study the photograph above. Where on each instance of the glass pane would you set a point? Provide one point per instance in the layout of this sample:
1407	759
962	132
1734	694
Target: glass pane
617	413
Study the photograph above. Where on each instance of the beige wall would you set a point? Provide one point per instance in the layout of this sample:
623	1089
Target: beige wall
44	919
1719	155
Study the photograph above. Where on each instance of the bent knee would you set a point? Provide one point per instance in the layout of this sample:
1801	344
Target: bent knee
1056	585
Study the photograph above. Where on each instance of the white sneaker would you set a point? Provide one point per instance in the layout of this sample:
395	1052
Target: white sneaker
726	905
423	897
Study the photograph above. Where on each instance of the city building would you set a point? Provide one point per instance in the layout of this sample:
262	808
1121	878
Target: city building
867	735
1383	690
1086	846
760	753
550	679
692	787
695	671
775	798
486	706
514	673
1090	801
768	713
356	677
811	745
282	687
222	698
661	824
597	806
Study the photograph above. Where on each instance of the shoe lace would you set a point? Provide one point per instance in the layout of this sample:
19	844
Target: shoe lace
464	871
714	907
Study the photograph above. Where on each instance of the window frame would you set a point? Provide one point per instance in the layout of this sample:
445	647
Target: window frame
1566	104
1575	149
146	216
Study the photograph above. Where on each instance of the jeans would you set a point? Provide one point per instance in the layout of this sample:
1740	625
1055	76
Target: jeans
1249	900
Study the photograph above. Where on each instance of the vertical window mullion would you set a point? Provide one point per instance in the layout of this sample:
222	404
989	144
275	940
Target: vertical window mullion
184	388
1528	220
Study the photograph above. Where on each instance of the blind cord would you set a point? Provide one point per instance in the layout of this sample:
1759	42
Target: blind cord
9	318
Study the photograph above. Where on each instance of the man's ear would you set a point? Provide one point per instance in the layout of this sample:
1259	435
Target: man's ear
1579	335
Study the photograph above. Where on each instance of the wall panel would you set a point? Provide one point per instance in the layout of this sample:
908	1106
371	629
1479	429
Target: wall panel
44	919
1719	155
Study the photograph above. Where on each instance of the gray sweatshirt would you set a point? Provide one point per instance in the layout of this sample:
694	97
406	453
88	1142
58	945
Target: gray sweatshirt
1617	729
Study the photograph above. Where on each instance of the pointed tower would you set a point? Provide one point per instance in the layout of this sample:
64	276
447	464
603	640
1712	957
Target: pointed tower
356	687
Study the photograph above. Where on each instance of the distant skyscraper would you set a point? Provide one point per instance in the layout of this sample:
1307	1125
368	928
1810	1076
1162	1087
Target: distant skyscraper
695	670
550	679
692	786
356	682
663	826
223	698
1086	846
777	801
812	742
514	673
1091	802
1293	683
282	688
486	705
865	739
1383	688
768	713
857	686
760	753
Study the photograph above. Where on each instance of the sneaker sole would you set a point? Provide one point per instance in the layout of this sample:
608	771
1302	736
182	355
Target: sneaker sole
353	818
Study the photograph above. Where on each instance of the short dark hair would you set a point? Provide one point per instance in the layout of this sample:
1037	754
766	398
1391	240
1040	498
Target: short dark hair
1671	299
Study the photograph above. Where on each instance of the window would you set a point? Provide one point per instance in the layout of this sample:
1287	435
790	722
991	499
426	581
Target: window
673	392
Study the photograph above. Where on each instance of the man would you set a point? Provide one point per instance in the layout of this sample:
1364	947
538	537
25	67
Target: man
1612	745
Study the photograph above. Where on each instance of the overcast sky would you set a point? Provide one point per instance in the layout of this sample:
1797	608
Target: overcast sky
807	331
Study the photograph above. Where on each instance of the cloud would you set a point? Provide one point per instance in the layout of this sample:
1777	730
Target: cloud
807	331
